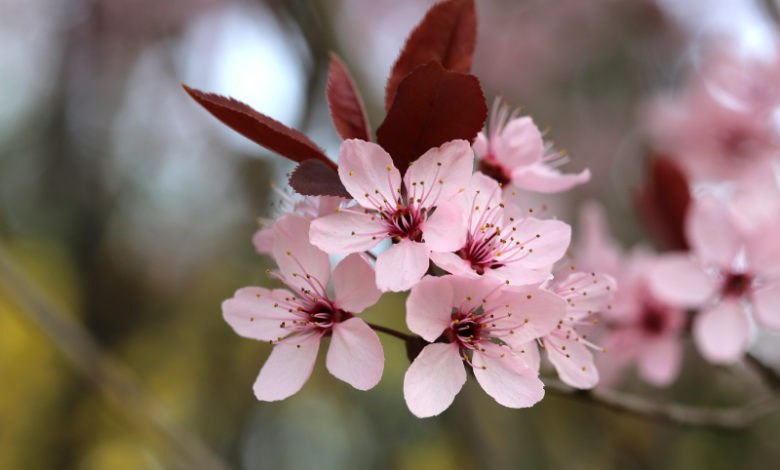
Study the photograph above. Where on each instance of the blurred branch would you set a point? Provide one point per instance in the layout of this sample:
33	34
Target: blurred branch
109	376
768	374
773	11
391	332
685	415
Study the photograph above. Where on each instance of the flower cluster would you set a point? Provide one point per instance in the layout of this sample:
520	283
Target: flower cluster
485	287
713	201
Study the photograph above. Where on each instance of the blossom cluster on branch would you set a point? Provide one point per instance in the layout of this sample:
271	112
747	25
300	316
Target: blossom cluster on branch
434	207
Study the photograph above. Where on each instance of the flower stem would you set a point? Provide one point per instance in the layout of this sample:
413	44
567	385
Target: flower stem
390	331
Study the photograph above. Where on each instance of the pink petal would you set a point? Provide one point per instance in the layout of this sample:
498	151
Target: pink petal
677	280
519	144
434	378
573	361
333	233
429	307
534	313
711	232
597	251
452	263
544	179
441	171
529	353
401	266
252	313
480	145
517	275
365	168
355	354
471	293
721	333
286	370
544	241
660	360
484	192
354	283
446	229
766	306
263	240
586	293
295	256
763	251
508	379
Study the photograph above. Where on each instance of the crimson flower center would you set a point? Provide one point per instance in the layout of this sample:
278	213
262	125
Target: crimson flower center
654	320
736	284
493	170
405	222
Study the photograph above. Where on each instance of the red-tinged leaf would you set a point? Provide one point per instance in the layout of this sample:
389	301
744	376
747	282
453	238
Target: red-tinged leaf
260	128
433	106
663	203
346	107
315	178
447	34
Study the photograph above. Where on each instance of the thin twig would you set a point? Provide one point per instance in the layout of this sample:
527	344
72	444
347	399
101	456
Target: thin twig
390	331
768	374
110	377
685	415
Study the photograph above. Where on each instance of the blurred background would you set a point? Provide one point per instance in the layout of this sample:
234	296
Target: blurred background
126	214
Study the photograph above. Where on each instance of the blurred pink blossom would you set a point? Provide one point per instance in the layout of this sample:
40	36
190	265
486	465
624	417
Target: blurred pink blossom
734	269
723	121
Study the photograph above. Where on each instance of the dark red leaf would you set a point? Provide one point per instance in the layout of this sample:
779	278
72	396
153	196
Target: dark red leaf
346	107
315	178
433	106
447	34
663	203
260	128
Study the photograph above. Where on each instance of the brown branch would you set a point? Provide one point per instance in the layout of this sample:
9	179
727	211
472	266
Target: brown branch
674	413
772	11
768	374
108	375
391	332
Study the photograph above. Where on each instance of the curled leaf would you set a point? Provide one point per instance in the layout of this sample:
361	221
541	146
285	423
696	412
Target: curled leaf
260	128
315	178
433	106
346	106
447	34
663	203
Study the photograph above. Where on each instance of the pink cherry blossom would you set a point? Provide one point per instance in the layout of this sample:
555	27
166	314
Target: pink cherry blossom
309	207
477	322
644	328
416	213
568	349
722	122
511	150
295	319
732	272
500	241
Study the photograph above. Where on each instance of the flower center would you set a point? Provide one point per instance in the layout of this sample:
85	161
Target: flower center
653	320
480	253
323	316
405	222
736	284
466	330
493	170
